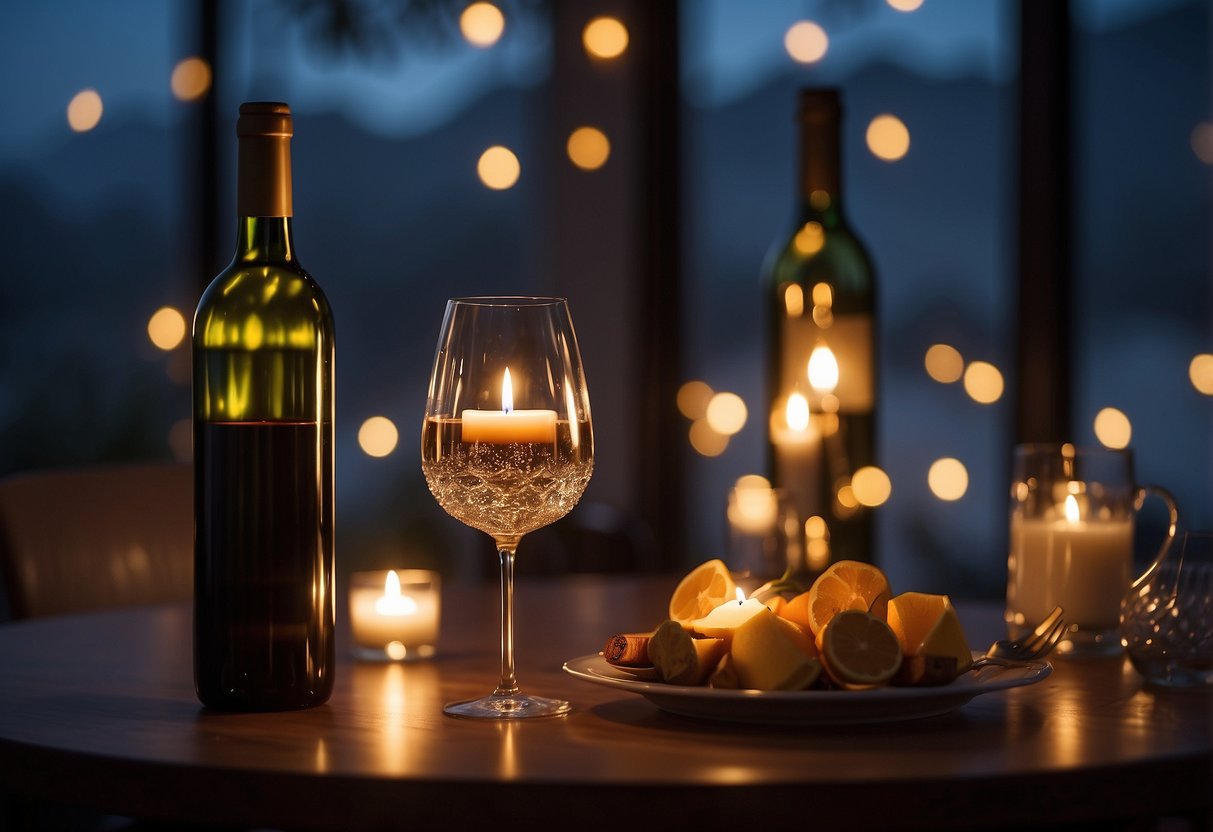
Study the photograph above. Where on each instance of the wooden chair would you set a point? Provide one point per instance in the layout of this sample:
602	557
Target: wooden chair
89	538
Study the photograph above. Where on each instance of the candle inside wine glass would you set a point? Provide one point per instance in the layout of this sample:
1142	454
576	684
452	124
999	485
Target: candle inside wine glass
512	470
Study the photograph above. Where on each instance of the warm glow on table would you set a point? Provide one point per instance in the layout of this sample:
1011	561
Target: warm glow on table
509	425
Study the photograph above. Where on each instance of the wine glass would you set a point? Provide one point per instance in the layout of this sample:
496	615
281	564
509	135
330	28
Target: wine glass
507	446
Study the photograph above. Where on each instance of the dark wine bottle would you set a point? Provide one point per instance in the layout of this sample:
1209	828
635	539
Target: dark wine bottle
821	371
263	452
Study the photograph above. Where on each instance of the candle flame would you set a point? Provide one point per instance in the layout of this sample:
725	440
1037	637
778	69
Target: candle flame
823	369
740	595
1071	509
393	602
507	392
796	413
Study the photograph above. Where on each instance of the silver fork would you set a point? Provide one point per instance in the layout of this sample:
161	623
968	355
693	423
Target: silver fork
1037	644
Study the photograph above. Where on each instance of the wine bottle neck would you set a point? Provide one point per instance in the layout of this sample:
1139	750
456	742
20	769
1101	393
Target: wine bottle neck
264	239
263	185
820	162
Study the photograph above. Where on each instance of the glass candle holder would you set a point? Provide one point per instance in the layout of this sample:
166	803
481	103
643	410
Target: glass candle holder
765	538
394	614
1071	536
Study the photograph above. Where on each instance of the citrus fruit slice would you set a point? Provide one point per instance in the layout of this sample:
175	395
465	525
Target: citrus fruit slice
847	585
704	588
765	656
680	659
930	635
859	650
797	610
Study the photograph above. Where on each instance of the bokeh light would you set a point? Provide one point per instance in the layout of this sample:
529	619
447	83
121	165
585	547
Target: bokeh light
810	239
1113	428
1202	142
693	398
726	413
871	486
378	436
589	148
1200	371
166	328
84	110
945	364
706	441
983	382
948	478
806	42
498	168
181	440
482	24
191	79
605	37
888	138
905	5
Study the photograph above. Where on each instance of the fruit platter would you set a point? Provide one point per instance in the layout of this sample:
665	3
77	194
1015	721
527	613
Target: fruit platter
843	651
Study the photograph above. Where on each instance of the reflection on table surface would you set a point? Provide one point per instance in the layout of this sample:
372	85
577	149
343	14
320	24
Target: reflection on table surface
99	709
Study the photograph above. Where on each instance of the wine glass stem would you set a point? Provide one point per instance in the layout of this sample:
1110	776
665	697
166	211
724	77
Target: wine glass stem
509	682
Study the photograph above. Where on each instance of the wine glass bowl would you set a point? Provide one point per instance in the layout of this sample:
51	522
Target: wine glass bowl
507	445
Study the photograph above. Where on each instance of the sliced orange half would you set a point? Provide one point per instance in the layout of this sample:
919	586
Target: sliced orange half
859	650
847	585
704	588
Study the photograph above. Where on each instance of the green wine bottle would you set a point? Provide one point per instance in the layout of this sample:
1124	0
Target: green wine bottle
821	369
263	452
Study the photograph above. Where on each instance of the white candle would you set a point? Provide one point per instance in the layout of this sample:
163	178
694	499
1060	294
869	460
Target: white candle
394	614
722	621
1081	564
509	425
797	444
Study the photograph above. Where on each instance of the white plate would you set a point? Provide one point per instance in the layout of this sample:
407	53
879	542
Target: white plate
811	707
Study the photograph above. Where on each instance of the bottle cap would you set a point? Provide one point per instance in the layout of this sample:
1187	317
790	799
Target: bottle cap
263	186
265	118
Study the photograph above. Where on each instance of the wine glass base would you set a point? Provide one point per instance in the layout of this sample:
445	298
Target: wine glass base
513	706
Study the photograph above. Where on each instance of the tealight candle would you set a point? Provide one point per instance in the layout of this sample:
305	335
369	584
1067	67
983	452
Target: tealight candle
508	425
722	621
394	614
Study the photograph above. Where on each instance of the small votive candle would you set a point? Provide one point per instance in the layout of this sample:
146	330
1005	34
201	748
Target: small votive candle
394	614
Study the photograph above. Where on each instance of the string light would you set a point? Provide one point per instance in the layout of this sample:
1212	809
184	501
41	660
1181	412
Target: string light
84	110
726	413
1113	428
693	398
191	79
378	436
166	328
983	382
706	441
498	168
1200	371
806	42
482	24
888	138
948	479
605	37
871	486
589	148
944	363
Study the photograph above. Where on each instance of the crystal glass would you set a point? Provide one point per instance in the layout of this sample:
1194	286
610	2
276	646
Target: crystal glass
1166	621
507	446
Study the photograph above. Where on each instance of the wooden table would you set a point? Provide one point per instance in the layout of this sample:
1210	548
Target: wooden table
98	710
